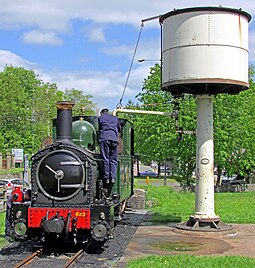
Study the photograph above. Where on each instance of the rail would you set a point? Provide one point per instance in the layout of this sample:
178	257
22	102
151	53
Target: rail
31	258
74	258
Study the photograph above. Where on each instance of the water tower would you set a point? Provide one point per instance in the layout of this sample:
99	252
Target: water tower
204	53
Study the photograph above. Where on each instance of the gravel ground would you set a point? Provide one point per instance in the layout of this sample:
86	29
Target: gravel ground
114	249
108	256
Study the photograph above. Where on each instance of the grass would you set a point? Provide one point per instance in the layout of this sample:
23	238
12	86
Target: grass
170	206
9	172
3	242
236	207
188	261
159	180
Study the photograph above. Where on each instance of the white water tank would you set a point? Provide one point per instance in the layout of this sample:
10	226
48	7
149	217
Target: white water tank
205	50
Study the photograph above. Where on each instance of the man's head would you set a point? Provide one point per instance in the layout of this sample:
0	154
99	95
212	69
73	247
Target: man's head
104	111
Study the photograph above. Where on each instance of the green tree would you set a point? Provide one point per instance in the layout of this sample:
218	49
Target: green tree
26	106
44	101
152	131
185	150
83	103
234	131
156	137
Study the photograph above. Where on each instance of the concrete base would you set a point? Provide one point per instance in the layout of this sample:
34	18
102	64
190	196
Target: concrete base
204	225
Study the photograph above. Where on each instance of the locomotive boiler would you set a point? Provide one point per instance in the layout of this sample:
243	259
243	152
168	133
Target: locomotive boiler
69	200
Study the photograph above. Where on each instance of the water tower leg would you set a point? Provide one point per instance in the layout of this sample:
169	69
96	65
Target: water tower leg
204	218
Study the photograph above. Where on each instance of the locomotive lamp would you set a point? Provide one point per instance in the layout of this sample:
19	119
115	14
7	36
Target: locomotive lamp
205	53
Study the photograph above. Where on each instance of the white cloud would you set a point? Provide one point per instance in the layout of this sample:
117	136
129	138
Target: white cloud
9	58
43	15
118	50
38	37
105	87
96	34
58	16
148	48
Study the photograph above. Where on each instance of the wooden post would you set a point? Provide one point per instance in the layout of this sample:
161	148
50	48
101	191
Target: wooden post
8	160
1	161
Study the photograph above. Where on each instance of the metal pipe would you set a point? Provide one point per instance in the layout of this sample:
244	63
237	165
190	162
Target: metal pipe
121	110
151	18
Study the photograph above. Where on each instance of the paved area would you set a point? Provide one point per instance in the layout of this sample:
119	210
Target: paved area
167	240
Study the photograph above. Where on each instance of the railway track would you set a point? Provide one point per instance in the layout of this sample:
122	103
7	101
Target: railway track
57	257
39	252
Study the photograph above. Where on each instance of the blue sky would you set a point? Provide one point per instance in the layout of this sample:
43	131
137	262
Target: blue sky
88	45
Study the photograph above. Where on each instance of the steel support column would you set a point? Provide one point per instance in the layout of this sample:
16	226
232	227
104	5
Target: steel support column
204	158
204	218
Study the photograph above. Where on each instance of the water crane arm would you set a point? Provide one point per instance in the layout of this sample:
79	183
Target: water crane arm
122	110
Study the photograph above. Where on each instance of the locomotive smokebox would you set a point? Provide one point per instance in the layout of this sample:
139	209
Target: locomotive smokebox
64	121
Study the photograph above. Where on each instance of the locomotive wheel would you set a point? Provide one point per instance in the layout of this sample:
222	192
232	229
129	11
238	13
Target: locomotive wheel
100	230
20	228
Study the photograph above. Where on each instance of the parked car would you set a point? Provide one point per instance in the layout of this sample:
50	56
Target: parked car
235	180
2	190
251	178
148	173
168	171
11	183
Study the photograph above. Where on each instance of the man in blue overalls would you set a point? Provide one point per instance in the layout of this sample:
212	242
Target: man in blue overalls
108	140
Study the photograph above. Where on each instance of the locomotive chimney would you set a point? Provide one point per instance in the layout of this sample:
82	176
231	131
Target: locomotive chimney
64	121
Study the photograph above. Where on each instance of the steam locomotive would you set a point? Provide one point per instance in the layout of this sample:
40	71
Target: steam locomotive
69	200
